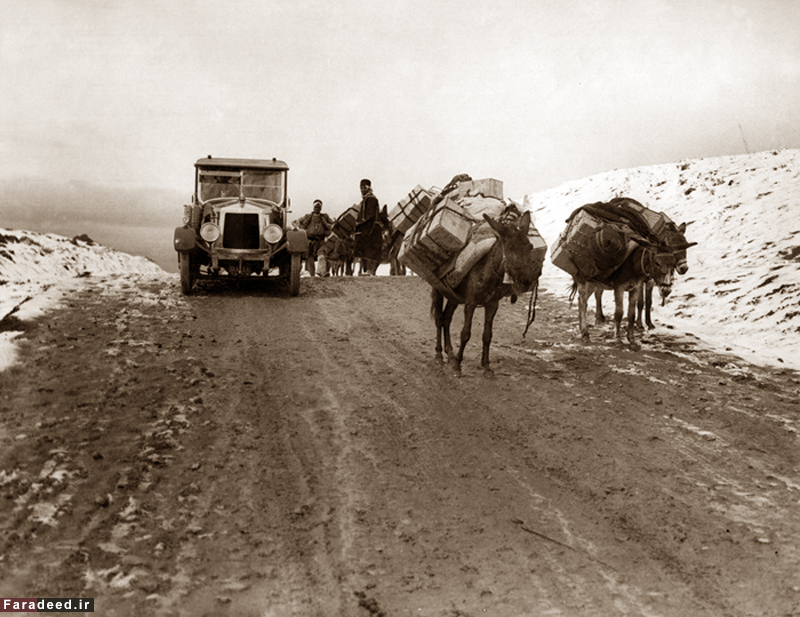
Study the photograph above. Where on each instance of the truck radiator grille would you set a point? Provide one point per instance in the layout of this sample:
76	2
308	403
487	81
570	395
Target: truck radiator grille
241	231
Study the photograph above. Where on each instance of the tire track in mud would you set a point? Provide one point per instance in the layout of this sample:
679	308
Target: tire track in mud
287	441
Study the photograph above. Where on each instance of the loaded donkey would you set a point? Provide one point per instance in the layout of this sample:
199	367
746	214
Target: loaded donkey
645	254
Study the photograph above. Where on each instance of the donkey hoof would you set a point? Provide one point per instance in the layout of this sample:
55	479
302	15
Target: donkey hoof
635	346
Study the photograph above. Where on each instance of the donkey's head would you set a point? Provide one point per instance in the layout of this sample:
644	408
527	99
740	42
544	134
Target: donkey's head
518	259
672	253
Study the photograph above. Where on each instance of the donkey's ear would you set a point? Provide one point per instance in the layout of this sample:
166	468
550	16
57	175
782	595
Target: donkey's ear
498	228
682	227
525	221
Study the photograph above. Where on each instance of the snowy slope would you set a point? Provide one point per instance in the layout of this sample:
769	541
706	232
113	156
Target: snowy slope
36	269
742	290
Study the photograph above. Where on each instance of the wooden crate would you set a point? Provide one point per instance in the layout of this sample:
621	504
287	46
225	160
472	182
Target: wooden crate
487	187
538	243
560	255
409	209
447	230
346	222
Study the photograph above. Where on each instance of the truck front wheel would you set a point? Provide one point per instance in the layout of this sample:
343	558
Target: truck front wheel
187	276
294	274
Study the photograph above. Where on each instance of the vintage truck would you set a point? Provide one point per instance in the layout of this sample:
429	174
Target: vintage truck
237	224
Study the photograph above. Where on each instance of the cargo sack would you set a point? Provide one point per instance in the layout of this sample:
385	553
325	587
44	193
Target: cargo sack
481	241
629	213
328	244
609	247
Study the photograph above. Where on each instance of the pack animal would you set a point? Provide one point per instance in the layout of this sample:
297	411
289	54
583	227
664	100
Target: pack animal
648	260
392	241
644	306
342	257
483	285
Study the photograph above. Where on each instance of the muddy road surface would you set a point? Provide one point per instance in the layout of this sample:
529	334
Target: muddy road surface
241	452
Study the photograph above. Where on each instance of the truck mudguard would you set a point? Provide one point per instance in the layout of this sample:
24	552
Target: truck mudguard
296	240
184	239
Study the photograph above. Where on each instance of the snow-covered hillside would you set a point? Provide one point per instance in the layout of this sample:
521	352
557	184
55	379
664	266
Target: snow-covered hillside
742	290
34	268
29	256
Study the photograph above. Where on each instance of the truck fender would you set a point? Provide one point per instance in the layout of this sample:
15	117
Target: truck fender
184	239
296	240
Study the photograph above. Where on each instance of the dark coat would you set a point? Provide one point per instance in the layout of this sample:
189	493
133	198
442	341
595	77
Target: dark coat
369	232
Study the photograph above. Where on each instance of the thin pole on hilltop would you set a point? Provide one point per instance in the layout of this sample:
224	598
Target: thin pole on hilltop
743	139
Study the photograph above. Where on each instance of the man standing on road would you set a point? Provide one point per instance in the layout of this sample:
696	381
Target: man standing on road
317	226
369	232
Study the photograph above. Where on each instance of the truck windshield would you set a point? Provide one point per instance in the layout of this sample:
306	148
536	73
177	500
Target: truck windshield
255	184
215	184
262	184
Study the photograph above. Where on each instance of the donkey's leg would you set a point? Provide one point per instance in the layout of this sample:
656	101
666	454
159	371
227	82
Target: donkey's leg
599	318
648	303
489	311
583	301
447	319
633	300
437	301
466	332
640	308
619	309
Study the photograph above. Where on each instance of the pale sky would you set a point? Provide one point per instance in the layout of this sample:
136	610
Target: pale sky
106	105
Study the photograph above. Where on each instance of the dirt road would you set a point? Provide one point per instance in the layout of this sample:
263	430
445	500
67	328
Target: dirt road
242	452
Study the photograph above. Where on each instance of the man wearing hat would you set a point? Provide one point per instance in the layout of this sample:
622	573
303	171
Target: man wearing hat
317	226
369	232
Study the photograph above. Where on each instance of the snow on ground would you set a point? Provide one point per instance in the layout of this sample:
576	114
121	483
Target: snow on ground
742	291
38	270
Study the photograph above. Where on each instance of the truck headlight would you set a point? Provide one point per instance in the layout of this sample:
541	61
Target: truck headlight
209	232
273	233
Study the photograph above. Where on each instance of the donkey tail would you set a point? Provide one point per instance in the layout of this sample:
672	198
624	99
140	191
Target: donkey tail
437	304
572	292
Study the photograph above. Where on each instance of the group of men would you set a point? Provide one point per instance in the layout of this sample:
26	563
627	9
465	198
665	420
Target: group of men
368	236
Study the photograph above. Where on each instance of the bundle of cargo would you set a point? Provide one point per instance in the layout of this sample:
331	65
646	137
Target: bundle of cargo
433	239
480	242
328	244
446	242
345	223
488	187
600	236
409	209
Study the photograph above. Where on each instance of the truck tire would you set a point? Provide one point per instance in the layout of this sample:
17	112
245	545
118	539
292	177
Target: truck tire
187	276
